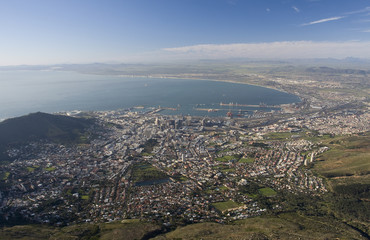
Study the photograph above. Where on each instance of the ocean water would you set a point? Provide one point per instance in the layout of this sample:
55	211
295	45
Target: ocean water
23	92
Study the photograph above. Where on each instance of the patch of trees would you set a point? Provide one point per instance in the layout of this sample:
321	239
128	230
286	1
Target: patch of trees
359	190
149	145
260	144
352	201
251	188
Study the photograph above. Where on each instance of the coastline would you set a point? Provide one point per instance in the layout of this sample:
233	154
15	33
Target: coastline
200	79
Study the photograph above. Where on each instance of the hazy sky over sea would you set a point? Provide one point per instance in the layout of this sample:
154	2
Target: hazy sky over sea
85	31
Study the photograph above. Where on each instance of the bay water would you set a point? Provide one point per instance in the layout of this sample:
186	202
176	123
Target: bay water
23	92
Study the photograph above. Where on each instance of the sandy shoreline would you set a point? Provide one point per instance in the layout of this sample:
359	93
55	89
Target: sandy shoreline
203	79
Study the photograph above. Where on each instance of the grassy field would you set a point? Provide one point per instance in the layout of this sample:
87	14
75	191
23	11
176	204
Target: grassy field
31	169
347	157
4	175
224	206
147	154
224	168
267	192
85	197
146	172
50	169
227	158
228	170
246	160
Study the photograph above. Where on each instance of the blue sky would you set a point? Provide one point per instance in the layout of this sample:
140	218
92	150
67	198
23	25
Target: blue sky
85	31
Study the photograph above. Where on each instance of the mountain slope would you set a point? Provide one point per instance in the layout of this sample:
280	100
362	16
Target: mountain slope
36	126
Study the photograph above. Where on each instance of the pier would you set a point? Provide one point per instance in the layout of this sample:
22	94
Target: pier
161	109
261	105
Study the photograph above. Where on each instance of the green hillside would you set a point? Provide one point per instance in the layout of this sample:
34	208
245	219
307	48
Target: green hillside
282	226
346	168
125	230
348	157
36	126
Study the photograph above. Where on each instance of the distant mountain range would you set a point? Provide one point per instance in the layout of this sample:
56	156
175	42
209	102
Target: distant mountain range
336	71
190	66
36	126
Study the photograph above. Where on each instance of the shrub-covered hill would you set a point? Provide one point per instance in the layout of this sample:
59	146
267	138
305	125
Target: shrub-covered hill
125	230
36	126
282	226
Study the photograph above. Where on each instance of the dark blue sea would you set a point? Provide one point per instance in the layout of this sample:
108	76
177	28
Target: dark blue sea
23	92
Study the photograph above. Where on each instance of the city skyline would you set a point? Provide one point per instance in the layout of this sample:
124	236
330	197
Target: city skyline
52	32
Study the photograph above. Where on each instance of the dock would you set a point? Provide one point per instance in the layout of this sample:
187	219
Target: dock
261	105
